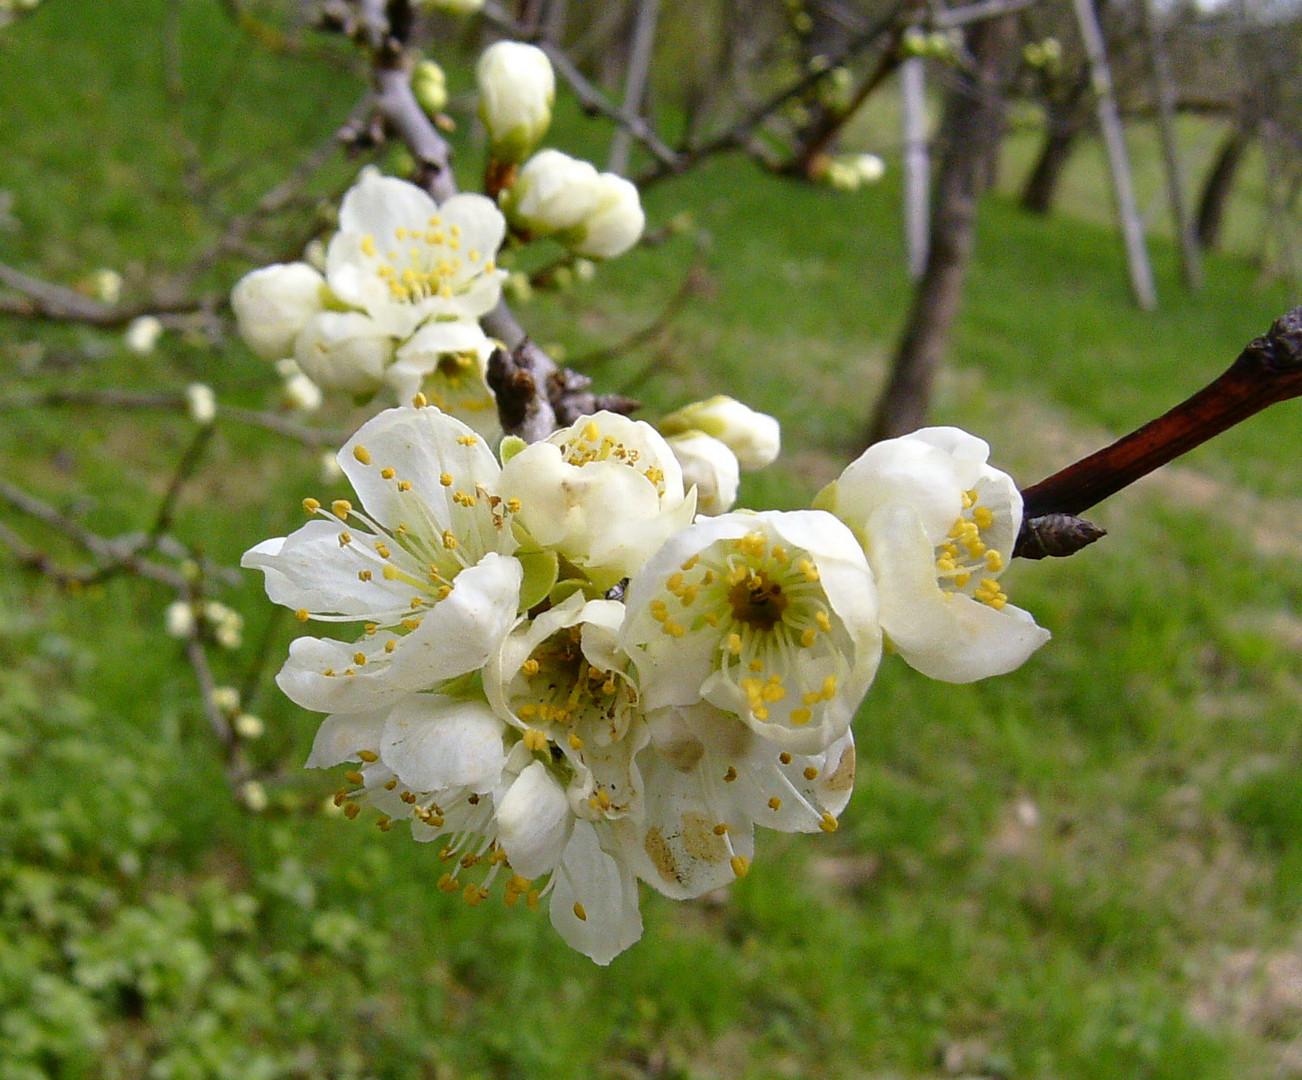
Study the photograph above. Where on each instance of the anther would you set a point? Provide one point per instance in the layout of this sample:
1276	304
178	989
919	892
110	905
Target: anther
362	454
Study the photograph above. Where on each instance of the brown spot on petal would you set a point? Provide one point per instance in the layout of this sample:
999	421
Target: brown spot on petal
842	777
700	840
661	856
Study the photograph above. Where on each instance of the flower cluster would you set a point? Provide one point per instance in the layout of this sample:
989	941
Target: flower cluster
594	215
570	682
405	282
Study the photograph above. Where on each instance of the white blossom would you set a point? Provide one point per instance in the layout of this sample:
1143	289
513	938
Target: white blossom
604	493
402	259
709	780
344	350
710	467
274	303
754	437
939	525
106	285
447	362
425	563
179	619
516	91
771	617
554	193
300	393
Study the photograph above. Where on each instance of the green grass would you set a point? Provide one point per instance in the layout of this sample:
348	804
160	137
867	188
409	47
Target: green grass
1091	868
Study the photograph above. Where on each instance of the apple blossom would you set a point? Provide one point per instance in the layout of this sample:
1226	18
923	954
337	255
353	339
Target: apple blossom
604	493
938	525
426	564
771	617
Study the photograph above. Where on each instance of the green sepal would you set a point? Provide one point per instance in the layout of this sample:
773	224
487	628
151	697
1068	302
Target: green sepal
540	571
511	445
563	590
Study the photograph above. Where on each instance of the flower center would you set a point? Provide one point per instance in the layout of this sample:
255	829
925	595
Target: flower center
758	601
964	556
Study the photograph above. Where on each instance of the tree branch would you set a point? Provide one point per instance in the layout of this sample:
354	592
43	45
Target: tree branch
1269	370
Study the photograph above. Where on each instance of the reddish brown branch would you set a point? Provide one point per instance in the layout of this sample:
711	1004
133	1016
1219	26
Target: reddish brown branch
1269	370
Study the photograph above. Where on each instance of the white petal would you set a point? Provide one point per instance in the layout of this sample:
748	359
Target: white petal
460	633
607	893
534	821
304	682
341	736
434	743
309	570
344	350
908	470
420	445
676	848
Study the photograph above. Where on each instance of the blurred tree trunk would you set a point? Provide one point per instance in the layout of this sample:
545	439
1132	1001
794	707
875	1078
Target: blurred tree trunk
971	127
1041	187
1217	185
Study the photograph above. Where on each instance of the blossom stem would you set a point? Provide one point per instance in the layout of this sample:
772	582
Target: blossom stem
1269	370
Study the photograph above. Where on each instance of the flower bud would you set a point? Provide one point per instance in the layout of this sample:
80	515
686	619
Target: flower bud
202	402
616	224
274	303
553	193
754	437
248	726
106	285
343	351
914	42
179	619
430	86
226	698
516	90
301	394
142	334
710	467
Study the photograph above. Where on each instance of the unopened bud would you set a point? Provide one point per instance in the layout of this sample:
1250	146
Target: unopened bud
274	303
754	437
202	403
710	467
142	334
430	86
249	727
516	91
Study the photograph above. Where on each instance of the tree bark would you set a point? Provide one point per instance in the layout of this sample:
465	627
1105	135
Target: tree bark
1217	185
1041	187
971	128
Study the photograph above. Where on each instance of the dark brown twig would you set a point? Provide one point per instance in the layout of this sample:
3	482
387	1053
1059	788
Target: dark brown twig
1269	370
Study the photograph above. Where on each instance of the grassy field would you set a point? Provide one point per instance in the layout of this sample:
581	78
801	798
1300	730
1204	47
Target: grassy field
1089	869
